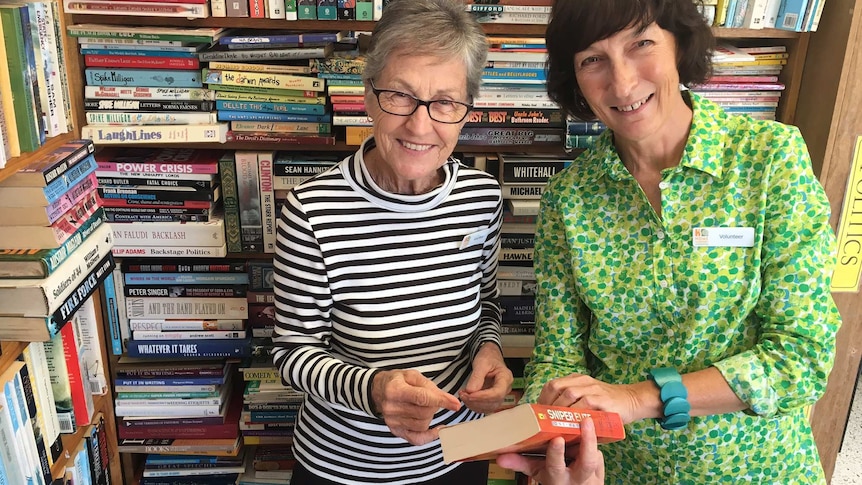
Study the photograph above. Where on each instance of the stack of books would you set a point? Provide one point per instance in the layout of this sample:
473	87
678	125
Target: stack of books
56	246
745	80
162	201
143	84
343	74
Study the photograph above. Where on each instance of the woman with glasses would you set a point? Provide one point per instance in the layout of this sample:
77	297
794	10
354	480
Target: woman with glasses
386	270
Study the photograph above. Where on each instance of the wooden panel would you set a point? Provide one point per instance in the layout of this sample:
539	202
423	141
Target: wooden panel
830	120
17	163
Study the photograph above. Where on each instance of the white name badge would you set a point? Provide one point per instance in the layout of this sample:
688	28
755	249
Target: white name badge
477	237
738	237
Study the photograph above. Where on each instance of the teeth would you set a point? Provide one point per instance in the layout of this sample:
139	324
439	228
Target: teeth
415	147
632	107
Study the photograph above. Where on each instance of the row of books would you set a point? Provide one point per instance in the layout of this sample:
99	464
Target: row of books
794	15
524	12
34	101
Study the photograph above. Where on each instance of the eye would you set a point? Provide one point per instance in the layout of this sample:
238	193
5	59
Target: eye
589	60
444	103
644	43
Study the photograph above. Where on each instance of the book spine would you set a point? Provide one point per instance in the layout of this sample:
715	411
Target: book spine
23	100
281	138
212	432
156	195
267	200
266	55
46	406
256	9
72	177
248	192
186	308
146	105
118	135
149	118
263	79
264	107
201	185
148	93
53	105
233	291
142	77
184	234
263	116
146	8
531	172
173	252
26	394
203	335
172	349
12	147
515	117
121	410
112	314
82	398
230	201
281	127
34	72
140	62
185	278
184	325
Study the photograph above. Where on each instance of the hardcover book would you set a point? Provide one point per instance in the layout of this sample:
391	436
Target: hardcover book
526	428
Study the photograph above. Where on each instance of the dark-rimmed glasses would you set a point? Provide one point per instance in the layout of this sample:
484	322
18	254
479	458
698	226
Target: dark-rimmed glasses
403	104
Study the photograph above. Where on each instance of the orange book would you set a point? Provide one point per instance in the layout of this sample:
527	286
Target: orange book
524	429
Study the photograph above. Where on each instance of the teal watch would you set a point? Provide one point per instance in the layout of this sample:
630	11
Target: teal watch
674	398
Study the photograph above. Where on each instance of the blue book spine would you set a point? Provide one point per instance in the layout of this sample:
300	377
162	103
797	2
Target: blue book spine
171	381
286	108
137	53
261	116
187	349
74	176
791	14
112	313
158	78
186	278
9	393
336	75
522	46
4	478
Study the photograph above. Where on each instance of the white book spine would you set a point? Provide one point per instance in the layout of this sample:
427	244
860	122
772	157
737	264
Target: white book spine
19	296
208	401
378	9
522	191
267	200
173	233
771	15
153	251
149	93
164	325
193	388
119	135
5	146
275	9
181	335
538	104
9	448
48	39
287	182
42	380
122	118
165	411
218	8
214	308
91	348
47	96
755	16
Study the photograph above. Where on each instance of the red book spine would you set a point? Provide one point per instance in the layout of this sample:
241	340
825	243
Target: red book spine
83	411
157	167
256	9
145	62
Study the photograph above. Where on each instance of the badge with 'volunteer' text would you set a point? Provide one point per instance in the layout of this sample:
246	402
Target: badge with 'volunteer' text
738	237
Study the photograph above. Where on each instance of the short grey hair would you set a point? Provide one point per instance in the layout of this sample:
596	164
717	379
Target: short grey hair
428	27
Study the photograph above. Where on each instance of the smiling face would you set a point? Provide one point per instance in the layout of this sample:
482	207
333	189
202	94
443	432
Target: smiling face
631	82
411	149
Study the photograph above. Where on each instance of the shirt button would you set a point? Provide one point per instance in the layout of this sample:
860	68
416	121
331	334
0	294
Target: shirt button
659	234
670	333
662	283
663	185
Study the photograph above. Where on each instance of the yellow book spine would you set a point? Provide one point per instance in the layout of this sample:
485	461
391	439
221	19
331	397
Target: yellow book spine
8	110
265	80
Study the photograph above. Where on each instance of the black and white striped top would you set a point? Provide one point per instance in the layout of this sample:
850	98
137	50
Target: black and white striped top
366	281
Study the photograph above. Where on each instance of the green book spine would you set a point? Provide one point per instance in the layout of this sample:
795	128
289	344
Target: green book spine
290	11
23	102
227	171
327	10
364	10
306	9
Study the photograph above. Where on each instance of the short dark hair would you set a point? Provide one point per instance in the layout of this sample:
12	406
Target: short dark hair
577	24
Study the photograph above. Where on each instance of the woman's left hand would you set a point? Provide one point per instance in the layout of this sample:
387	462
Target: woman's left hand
490	381
583	391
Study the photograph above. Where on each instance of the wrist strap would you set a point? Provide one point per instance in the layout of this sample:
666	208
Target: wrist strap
674	398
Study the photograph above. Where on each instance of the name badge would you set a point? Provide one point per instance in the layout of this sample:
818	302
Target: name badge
477	237
738	237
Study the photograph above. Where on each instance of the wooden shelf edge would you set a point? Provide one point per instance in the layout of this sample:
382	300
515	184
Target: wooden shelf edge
17	163
340	147
11	351
725	33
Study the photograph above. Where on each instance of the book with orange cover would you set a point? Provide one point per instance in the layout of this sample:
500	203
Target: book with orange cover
525	428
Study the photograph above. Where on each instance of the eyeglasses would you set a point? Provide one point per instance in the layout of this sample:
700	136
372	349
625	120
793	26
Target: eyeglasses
403	104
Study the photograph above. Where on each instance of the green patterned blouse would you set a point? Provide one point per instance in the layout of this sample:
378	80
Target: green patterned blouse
622	291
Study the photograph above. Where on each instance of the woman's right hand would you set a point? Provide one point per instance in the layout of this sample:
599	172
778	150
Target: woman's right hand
407	401
588	467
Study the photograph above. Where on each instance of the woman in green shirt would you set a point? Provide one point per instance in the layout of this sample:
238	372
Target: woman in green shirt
683	261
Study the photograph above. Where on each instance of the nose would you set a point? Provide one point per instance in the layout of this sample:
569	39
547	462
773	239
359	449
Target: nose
421	120
623	78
